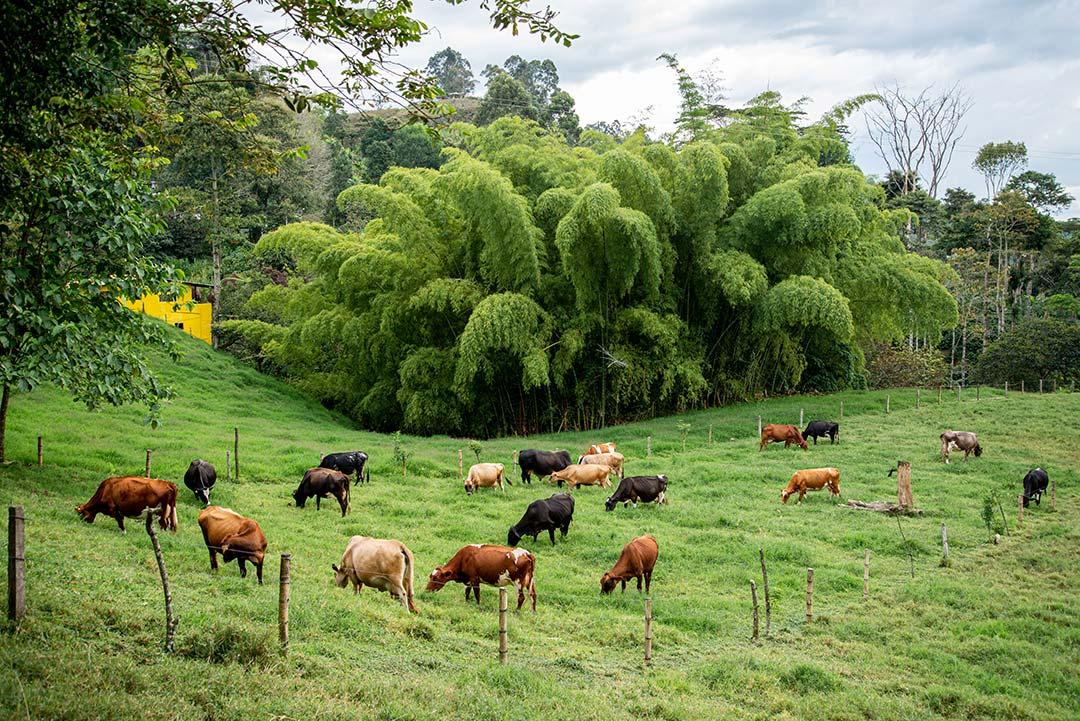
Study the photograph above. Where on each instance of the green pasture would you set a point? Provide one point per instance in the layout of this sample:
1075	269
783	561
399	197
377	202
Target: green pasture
994	635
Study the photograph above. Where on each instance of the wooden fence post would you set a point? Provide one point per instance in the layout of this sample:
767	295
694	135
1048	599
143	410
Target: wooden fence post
1053	494
648	631
228	465
759	426
1006	389
284	586
977	389
866	574
16	563
236	454
765	587
1019	509
170	619
939	393
809	595
1021	385
502	625
959	390
753	601
648	445
148	452
918	398
886	402
801	418
460	466
39	455
841	410
944	542
710	433
1040	385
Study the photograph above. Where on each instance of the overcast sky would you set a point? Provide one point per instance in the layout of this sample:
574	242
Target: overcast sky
1018	61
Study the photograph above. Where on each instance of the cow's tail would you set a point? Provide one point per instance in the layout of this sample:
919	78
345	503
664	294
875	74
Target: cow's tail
407	581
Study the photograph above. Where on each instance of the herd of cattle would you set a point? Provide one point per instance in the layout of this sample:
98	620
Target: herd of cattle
387	564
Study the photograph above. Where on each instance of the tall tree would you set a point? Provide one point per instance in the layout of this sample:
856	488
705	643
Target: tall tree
452	72
506	95
1041	190
997	162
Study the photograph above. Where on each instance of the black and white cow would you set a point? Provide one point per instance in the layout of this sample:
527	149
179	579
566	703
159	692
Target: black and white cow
819	429
541	463
638	488
1035	483
544	515
351	462
200	478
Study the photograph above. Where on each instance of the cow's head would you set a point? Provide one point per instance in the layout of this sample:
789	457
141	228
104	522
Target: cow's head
299	497
439	578
610	503
608	583
978	450
85	513
203	494
468	487
341	579
785	494
512	536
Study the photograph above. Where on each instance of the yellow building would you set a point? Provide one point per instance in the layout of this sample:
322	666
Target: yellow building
194	320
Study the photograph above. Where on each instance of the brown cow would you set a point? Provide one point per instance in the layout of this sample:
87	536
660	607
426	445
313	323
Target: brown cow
318	483
493	565
234	536
485	475
636	561
132	497
812	479
585	474
600	448
776	433
613	460
385	565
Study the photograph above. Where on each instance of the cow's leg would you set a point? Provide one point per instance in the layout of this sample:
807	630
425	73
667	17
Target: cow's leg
120	522
343	503
258	571
551	534
815	440
802	494
565	528
648	580
476	592
243	567
357	586
317	499
468	592
624	586
213	560
639	584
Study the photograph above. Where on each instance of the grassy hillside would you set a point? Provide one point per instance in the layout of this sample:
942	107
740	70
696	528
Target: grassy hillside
994	636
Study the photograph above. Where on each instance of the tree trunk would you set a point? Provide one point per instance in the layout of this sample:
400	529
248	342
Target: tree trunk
3	420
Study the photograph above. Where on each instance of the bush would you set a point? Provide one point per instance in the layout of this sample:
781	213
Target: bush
1038	348
890	367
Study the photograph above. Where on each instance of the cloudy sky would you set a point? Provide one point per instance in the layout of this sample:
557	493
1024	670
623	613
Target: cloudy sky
1018	61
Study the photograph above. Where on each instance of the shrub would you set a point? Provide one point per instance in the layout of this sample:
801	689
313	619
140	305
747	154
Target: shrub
890	367
1039	348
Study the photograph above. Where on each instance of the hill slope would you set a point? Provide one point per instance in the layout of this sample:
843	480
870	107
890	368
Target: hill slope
994	636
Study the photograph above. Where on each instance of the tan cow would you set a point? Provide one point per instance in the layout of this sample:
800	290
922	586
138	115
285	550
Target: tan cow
583	474
612	460
385	565
227	532
132	497
812	479
600	448
485	475
636	561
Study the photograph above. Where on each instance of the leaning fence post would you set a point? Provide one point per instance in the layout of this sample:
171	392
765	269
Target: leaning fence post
765	587
39	456
866	574
944	542
16	563
753	601
648	631
148	452
236	454
284	585
809	595
170	619
502	625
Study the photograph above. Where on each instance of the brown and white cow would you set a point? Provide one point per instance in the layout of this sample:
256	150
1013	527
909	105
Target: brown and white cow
491	565
778	433
132	497
382	564
233	536
600	448
485	475
583	474
636	561
612	460
960	441
812	479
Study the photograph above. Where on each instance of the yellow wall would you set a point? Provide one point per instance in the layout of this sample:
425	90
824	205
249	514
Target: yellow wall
194	322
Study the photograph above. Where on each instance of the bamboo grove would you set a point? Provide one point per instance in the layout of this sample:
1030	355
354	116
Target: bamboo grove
526	285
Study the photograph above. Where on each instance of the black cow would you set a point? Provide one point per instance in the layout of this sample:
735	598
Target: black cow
638	488
544	515
1035	483
818	429
351	462
200	478
319	483
541	463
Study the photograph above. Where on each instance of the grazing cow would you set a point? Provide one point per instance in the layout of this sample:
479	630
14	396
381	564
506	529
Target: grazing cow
959	440
541	463
385	565
812	479
636	561
612	460
318	483
776	433
351	462
638	488
1035	483
132	497
484	475
600	448
586	474
200	478
491	565
817	429
544	515
233	536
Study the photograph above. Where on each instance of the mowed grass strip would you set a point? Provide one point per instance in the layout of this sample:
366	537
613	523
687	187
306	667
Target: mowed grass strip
996	635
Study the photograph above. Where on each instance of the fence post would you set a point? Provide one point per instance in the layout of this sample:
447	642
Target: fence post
809	595
648	631
866	574
502	625
800	418
648	445
765	587
148	452
228	465
841	410
939	394
977	388
944	542
886	403
710	433
753	601
1006	389
1053	494
170	619
1019	509
39	458
236	454
1021	385
918	398
16	563
959	389
460	466
759	426
284	585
